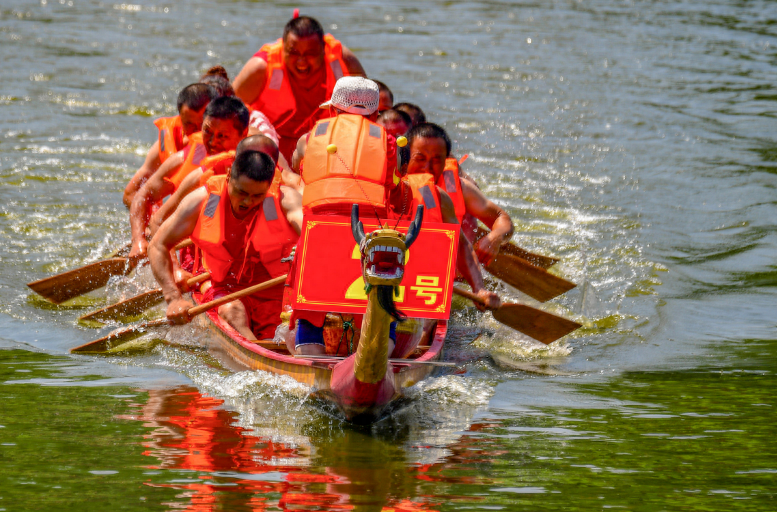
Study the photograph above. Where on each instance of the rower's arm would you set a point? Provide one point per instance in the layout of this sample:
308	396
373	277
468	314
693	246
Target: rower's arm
150	165
248	84
466	262
140	210
189	184
291	203
179	226
493	216
352	63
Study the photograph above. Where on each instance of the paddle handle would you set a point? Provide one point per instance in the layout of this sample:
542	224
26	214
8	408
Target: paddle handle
196	310
468	294
198	279
183	244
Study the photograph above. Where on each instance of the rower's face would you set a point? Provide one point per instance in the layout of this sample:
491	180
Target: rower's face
191	119
303	56
246	194
220	135
394	127
427	155
385	101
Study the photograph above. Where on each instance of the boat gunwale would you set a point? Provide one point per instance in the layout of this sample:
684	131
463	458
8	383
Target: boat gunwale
235	338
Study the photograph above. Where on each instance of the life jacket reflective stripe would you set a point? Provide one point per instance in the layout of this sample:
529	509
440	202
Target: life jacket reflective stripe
194	154
424	192
450	182
170	136
357	173
277	99
269	238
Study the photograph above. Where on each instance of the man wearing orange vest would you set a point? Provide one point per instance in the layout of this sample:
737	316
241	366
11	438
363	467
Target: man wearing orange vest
288	80
225	123
245	230
173	134
349	159
429	153
216	165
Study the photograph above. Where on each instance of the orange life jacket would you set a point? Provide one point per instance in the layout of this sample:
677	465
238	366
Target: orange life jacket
170	136
450	182
357	173
277	100
269	238
194	154
424	192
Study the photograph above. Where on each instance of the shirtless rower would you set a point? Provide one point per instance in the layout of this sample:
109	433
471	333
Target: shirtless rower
225	123
244	229
364	171
288	80
211	167
429	152
173	134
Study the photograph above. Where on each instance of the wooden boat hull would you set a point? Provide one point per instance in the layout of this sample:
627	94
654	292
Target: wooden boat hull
329	379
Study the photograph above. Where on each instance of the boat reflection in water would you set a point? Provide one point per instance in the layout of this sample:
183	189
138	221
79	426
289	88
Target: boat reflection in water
236	469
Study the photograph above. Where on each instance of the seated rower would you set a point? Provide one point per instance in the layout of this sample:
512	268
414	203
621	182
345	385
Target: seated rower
386	97
212	166
417	115
396	122
347	160
287	80
173	134
429	152
225	123
244	230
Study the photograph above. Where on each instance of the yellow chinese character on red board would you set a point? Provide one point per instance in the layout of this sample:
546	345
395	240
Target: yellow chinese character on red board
427	287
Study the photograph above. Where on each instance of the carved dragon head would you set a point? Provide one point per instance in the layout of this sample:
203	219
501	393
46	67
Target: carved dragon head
383	256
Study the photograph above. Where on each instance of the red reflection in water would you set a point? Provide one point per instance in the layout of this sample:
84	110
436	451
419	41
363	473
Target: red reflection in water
191	431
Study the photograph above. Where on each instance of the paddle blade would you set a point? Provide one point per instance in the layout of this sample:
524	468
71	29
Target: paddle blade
538	260
117	338
65	286
535	282
130	307
541	326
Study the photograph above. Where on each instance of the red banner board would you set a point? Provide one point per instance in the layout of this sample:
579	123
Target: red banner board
329	276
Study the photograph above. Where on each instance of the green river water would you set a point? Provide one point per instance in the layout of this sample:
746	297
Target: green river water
632	139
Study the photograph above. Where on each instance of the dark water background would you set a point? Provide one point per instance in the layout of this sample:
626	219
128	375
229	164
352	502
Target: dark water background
633	139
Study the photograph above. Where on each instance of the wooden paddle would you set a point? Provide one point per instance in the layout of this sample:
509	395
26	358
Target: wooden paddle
70	284
535	282
126	334
544	262
541	326
137	304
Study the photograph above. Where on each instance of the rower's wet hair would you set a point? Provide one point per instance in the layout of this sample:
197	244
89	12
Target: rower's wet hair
395	115
428	131
304	26
196	96
216	71
229	108
413	110
254	165
218	82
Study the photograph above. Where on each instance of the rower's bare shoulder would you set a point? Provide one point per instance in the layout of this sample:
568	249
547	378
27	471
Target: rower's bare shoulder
250	81
352	63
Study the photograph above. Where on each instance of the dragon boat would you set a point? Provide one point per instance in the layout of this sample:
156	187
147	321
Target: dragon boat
358	374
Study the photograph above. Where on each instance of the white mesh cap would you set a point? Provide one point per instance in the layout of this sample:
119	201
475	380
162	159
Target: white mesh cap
355	95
